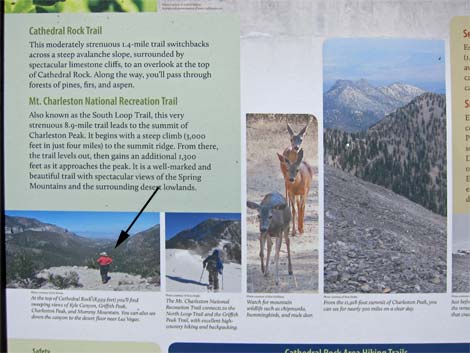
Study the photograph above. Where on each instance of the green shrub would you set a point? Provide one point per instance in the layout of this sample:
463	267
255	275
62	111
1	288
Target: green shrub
70	279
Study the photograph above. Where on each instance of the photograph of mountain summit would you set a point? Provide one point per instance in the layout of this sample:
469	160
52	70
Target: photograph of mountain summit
76	251
385	175
203	252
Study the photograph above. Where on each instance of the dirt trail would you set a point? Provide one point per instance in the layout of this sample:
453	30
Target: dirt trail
265	138
304	265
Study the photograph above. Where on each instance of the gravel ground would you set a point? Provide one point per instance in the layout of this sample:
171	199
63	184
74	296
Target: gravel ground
91	279
461	273
379	242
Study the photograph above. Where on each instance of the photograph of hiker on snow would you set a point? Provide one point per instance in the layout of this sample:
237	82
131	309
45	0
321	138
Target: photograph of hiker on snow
282	203
76	250
203	252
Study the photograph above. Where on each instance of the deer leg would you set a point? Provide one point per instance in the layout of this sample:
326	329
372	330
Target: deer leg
299	214
292	202
301	208
287	192
262	240
289	263
270	245
276	256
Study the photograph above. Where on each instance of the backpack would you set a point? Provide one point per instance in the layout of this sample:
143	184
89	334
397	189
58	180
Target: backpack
214	263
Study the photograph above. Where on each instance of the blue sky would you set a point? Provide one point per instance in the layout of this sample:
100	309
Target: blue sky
176	222
93	224
386	61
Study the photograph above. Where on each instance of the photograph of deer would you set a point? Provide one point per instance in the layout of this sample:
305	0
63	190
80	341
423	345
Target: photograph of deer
282	203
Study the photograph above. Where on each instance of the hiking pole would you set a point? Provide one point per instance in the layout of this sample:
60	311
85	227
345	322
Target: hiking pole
202	274
222	280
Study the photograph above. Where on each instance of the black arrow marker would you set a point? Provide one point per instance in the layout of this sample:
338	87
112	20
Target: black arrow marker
124	234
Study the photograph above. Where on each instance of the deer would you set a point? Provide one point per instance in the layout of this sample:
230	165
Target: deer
274	220
297	178
295	145
295	142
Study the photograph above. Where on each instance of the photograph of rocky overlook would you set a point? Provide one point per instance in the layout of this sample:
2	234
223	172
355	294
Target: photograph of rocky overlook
461	254
203	252
385	166
75	251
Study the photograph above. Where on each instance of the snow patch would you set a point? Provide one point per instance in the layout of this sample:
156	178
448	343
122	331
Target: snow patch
184	269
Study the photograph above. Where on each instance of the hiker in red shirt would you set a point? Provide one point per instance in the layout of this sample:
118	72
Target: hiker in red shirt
104	260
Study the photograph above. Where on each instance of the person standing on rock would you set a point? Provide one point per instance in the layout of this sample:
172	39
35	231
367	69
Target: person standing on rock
104	261
214	265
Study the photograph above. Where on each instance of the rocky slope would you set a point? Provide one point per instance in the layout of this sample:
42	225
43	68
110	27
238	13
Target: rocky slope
461	272
405	152
32	245
208	235
139	255
379	242
354	106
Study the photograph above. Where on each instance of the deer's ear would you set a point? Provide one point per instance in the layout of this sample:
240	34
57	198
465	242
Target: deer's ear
291	133
300	155
252	205
304	129
281	157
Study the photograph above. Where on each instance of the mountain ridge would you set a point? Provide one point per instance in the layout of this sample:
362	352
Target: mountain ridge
354	106
405	152
210	234
20	224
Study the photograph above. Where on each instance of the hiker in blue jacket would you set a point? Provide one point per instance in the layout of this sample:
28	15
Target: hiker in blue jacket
213	264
